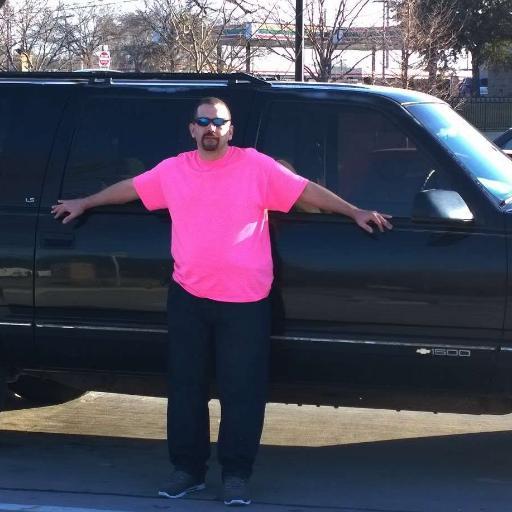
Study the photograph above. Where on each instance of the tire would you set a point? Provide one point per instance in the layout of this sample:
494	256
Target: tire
43	391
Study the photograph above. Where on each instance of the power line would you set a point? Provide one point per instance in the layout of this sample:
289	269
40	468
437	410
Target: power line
90	5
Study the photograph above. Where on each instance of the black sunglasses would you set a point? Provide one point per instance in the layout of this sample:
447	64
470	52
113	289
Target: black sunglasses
205	121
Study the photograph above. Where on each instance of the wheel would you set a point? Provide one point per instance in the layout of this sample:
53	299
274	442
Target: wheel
44	391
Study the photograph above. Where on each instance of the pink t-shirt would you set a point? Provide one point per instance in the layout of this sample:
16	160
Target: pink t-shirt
220	239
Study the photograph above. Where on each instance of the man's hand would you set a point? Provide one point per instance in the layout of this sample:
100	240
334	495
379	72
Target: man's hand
326	200
119	193
363	218
72	207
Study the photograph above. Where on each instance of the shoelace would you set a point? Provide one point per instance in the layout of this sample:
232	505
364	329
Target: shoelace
180	476
234	483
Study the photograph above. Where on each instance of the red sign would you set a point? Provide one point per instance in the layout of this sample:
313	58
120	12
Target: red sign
104	59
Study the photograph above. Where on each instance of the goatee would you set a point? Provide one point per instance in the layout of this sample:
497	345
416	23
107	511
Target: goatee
209	143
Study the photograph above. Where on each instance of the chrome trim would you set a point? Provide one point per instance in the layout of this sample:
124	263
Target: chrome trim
105	328
169	83
29	80
379	342
506	349
17	324
287	338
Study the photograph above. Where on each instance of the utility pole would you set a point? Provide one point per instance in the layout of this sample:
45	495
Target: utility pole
299	40
7	10
68	42
383	40
386	32
385	26
248	56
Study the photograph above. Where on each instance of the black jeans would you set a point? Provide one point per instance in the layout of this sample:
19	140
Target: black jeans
233	339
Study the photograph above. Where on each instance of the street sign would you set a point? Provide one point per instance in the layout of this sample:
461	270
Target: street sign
104	59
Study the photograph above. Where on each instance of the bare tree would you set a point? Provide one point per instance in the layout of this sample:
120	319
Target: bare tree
233	25
427	36
32	38
191	33
408	34
237	53
135	45
41	36
87	30
198	34
323	33
6	38
159	17
329	31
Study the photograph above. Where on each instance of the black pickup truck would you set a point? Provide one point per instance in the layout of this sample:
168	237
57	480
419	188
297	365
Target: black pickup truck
418	317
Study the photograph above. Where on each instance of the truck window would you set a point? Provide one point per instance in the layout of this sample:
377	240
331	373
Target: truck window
294	134
356	152
376	165
27	127
120	137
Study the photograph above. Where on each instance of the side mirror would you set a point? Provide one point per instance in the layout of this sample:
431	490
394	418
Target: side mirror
435	205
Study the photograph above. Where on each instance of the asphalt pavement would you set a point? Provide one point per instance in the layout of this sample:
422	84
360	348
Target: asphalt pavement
108	452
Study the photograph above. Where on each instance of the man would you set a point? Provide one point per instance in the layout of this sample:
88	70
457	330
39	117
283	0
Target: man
218	306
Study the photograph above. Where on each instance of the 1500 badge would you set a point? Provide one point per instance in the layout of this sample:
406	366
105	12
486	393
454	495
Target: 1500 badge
450	352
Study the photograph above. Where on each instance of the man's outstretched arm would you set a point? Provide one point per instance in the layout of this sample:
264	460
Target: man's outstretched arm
118	193
316	195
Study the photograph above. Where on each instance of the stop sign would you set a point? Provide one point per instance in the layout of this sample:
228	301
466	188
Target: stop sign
104	59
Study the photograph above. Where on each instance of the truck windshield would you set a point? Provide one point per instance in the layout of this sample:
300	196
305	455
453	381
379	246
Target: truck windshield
491	168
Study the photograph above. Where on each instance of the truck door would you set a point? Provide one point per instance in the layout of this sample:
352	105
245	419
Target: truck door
416	307
102	280
29	115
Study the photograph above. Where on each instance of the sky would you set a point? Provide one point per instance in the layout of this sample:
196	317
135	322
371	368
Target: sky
370	15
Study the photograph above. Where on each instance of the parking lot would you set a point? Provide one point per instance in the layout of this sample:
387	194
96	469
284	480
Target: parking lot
107	452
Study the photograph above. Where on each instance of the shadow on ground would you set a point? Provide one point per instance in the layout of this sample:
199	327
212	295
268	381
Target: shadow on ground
14	402
469	472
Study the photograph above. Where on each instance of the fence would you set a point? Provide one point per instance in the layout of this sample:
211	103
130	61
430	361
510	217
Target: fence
490	114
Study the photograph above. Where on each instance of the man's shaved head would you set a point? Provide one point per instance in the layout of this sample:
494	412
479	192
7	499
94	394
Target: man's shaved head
209	100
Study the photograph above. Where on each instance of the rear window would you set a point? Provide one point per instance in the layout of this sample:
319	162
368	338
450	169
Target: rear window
118	138
29	117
